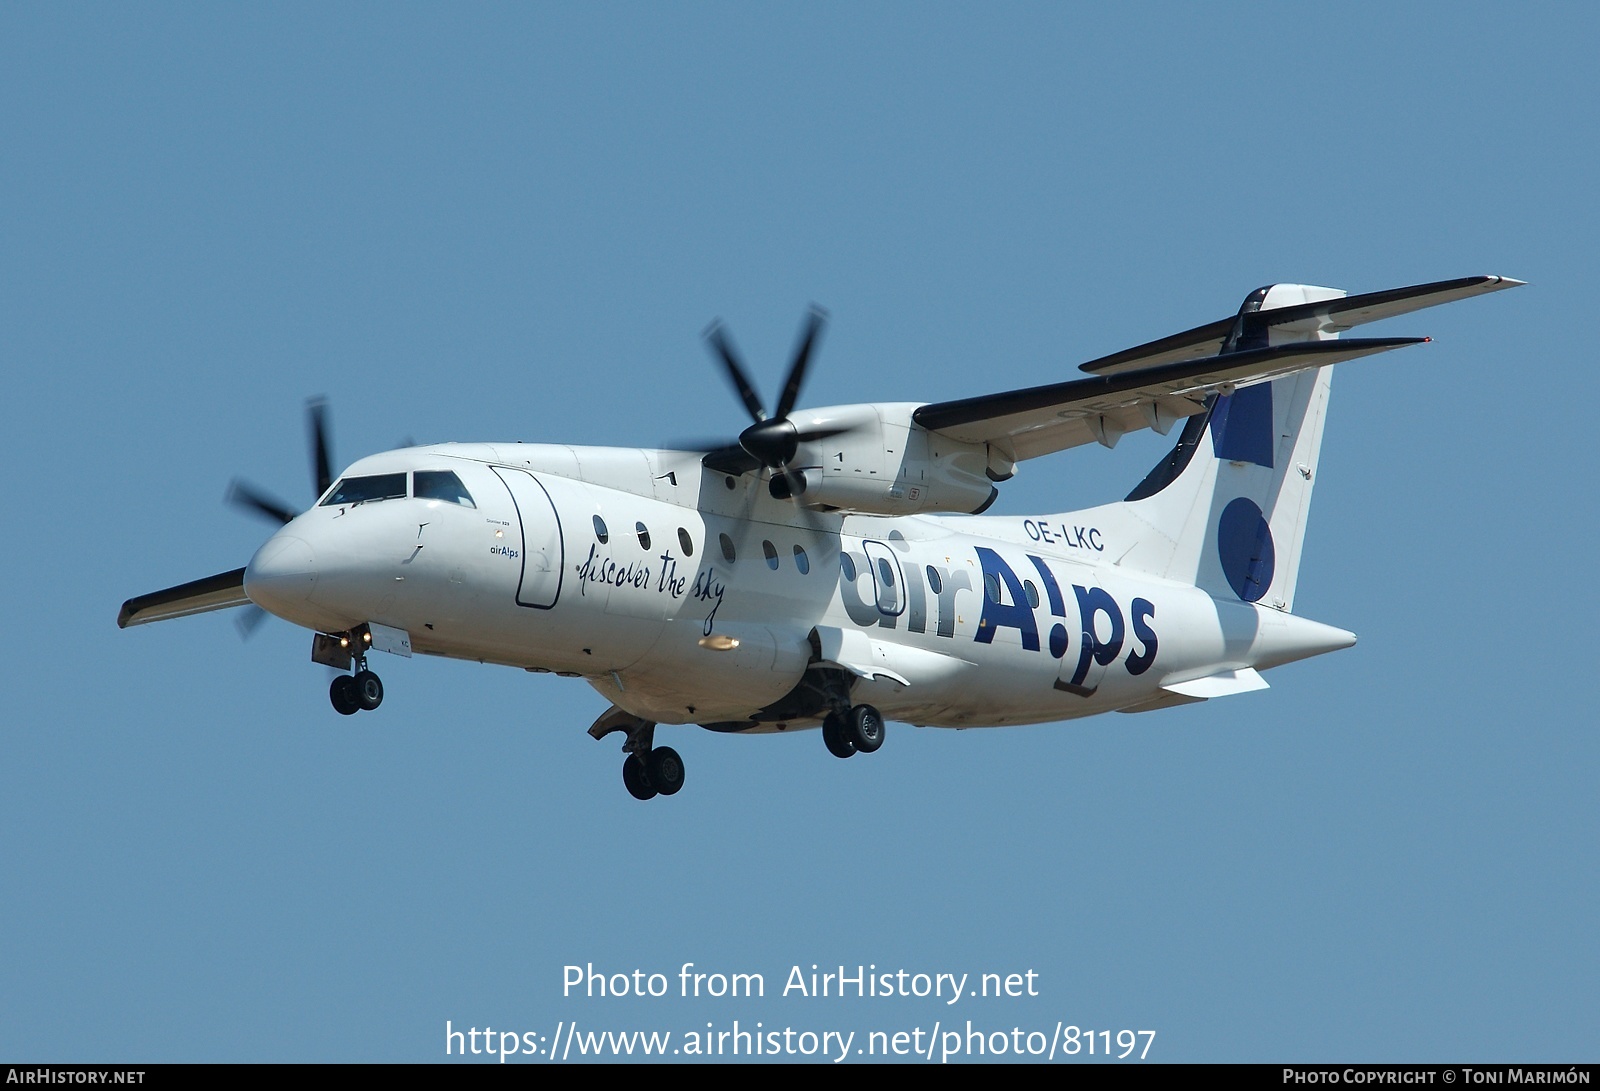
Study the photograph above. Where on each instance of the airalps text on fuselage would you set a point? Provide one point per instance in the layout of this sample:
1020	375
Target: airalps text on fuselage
1049	615
922	598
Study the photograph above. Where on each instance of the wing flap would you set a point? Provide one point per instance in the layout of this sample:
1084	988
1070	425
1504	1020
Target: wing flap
1042	419
217	592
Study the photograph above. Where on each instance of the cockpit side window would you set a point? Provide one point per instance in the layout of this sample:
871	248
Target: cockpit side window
442	485
362	490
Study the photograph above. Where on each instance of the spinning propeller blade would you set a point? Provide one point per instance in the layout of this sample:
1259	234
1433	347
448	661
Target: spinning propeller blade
254	500
718	340
816	319
249	619
770	442
248	497
321	452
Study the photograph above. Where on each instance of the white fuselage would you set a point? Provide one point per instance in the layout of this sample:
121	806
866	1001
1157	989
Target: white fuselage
621	565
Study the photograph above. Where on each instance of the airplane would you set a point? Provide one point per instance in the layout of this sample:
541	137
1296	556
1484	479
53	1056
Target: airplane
832	568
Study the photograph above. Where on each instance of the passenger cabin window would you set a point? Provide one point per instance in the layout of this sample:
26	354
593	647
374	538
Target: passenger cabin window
441	485
644	535
363	490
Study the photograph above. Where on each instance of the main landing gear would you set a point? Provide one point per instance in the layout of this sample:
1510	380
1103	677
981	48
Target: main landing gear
360	692
648	770
853	730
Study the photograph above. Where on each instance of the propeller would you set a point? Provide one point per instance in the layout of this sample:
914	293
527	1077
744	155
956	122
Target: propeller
321	452
247	497
249	619
769	442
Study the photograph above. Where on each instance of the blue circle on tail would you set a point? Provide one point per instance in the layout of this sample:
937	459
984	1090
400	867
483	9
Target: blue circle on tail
1244	545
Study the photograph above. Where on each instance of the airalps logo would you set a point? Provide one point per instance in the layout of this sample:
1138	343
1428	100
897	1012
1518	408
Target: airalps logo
1092	602
923	599
505	551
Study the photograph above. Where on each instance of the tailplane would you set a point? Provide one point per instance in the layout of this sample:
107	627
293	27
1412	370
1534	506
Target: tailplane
1226	509
1228	505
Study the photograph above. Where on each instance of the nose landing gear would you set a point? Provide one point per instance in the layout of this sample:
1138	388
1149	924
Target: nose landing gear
349	693
648	770
343	695
369	689
361	692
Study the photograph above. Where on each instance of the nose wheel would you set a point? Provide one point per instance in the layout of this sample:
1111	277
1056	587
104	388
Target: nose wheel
360	692
343	695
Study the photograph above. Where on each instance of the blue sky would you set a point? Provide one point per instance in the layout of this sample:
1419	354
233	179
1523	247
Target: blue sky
511	222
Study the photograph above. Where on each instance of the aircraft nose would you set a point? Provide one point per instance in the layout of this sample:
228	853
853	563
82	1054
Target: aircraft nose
281	574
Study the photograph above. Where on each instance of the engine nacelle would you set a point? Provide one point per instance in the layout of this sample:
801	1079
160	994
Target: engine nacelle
884	463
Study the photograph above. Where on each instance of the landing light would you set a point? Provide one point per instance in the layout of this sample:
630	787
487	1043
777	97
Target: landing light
719	643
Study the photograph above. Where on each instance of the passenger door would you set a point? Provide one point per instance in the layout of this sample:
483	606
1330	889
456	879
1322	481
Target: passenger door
543	552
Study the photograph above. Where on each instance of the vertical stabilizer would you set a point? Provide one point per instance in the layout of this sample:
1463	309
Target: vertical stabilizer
1228	505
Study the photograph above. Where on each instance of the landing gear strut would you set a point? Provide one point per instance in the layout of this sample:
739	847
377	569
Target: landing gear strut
649	770
834	737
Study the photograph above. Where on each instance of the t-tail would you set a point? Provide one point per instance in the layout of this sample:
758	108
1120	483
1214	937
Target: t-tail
1226	509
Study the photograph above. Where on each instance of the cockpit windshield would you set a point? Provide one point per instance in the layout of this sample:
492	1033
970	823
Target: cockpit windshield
442	485
363	490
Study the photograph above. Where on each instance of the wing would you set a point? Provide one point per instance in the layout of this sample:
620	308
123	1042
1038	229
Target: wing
1157	384
217	592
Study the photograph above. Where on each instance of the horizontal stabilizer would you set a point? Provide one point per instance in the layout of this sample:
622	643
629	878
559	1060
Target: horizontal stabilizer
1329	316
217	592
1041	419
